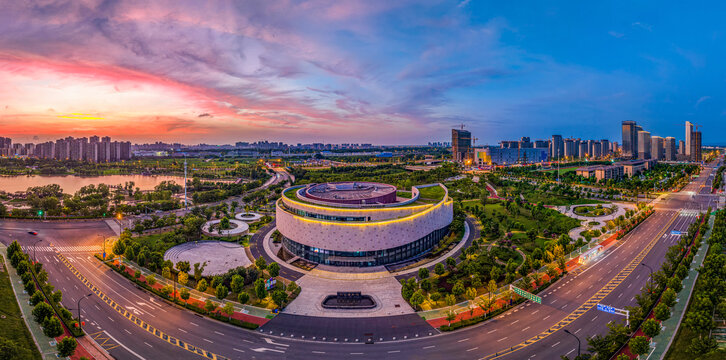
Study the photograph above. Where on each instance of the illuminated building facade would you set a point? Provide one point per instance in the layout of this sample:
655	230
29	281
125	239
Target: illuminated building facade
360	224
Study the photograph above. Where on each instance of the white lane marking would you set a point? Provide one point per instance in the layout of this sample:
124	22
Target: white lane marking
207	340
318	352
472	349
129	332
429	347
546	317
555	344
525	329
269	341
462	340
218	333
182	330
235	349
393	351
491	331
124	346
148	344
504	338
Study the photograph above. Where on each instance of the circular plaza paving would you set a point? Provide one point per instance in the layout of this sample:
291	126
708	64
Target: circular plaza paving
238	227
248	216
220	256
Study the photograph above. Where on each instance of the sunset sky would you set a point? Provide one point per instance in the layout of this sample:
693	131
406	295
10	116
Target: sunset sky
384	72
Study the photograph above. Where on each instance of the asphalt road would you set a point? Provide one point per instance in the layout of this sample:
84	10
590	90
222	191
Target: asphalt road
648	242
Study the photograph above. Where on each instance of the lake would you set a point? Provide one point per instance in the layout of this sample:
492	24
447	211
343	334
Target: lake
70	184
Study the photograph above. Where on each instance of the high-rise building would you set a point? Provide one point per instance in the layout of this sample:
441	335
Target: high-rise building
681	147
570	150
644	145
596	149
557	147
525	143
689	134
656	148
461	145
696	146
541	144
630	139
605	146
670	148
582	151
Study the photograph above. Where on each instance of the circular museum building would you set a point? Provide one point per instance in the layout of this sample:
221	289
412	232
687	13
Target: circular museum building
362	223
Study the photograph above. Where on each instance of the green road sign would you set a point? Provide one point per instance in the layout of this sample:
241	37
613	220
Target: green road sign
525	294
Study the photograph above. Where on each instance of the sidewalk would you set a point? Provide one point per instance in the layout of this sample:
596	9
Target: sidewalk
662	341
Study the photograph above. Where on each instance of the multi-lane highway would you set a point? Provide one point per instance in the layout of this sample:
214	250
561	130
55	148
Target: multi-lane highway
569	304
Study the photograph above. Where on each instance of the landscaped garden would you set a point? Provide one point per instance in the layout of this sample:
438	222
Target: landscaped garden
593	211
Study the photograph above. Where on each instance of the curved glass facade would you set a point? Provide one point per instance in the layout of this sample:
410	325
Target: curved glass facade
366	258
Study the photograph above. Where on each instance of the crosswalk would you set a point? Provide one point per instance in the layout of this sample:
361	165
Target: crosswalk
63	249
690	213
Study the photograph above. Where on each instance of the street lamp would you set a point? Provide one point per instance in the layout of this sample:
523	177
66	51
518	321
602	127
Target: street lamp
578	341
78	307
37	241
651	271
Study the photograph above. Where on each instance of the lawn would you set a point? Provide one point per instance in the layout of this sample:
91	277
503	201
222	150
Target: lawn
432	192
13	327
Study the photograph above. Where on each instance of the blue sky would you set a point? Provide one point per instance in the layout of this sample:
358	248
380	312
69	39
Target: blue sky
386	72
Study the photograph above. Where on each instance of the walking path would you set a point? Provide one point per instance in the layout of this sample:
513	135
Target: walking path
663	341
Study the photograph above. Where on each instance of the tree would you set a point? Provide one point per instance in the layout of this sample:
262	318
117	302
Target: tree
183	266
439	269
668	297
423	273
471	293
417	299
210	306
228	309
458	289
292	286
662	312
198	269
52	327
491	287
450	300
166	272
639	345
202	285
279	297
184	293
151	280
183	278
451	263
221	292
119	247
243	297
166	290
273	269
425	285
67	347
450	316
261	263
41	311
651	328
237	283
260	289
36	298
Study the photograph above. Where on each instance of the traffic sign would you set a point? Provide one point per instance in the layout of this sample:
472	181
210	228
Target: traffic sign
615	311
607	309
525	294
675	232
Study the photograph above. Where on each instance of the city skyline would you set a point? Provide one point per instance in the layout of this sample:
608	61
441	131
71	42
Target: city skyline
342	72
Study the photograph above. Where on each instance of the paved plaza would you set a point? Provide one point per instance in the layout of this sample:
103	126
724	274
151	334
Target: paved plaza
220	256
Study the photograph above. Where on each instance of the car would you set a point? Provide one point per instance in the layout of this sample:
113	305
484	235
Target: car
33	232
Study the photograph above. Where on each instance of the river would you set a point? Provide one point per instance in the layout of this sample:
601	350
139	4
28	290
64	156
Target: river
70	184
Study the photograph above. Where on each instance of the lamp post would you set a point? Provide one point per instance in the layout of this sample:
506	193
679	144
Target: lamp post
78	307
577	338
651	271
34	258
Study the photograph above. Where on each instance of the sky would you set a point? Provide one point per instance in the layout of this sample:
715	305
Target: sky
361	71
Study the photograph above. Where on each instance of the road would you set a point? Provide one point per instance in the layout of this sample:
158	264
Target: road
613	280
